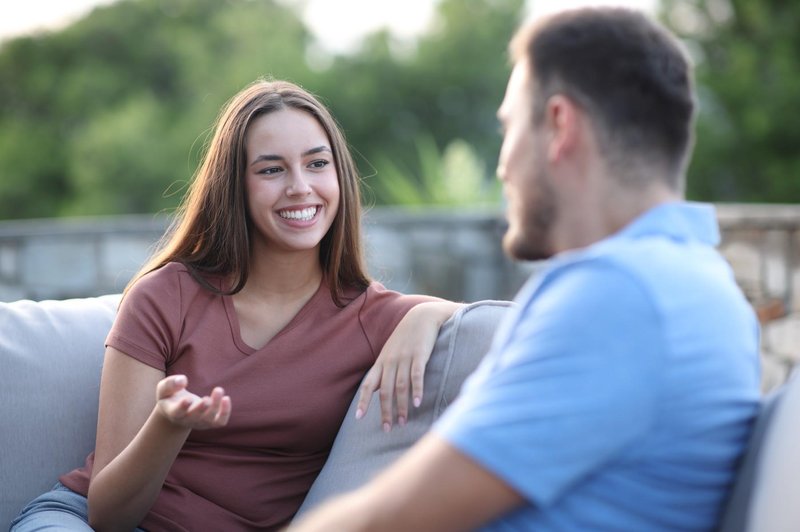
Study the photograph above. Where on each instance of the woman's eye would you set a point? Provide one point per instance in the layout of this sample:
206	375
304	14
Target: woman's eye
321	163
270	170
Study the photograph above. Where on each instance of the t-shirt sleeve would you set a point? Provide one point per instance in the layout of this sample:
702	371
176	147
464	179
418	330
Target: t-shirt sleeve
573	383
148	322
382	311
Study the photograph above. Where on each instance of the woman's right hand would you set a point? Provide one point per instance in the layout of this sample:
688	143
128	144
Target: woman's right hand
185	409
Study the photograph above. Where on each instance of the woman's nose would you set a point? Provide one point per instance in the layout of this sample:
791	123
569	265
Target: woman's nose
298	185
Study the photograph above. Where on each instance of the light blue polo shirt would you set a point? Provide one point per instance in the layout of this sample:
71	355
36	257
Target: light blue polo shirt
620	393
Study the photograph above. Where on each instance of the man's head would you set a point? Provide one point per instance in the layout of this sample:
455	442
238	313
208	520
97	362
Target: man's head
615	70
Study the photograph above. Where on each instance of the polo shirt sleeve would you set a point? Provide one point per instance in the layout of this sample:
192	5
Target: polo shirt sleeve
382	310
571	385
147	325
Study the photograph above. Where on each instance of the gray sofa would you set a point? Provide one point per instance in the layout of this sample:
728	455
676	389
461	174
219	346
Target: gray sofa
50	358
51	354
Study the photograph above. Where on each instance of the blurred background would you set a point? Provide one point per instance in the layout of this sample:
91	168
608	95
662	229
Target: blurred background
105	105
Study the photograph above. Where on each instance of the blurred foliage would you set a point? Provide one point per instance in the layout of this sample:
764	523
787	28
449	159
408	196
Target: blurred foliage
454	176
110	115
748	139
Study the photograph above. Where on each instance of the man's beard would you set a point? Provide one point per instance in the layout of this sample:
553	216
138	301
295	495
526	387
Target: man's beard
533	239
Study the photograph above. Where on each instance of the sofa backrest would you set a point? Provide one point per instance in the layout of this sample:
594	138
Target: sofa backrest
361	449
51	354
765	495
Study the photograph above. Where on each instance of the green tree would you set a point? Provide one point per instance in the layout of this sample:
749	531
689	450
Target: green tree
447	87
748	139
107	115
110	114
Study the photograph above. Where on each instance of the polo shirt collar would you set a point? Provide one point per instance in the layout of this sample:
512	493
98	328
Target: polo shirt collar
679	220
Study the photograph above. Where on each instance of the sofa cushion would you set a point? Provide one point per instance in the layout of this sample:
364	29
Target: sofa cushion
50	354
762	497
361	448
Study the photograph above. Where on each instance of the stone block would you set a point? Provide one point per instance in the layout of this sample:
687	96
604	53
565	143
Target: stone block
59	266
774	372
387	256
745	258
782	337
9	261
12	292
776	253
120	257
794	299
480	282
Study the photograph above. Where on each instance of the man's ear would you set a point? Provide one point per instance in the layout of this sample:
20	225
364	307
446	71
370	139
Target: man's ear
562	123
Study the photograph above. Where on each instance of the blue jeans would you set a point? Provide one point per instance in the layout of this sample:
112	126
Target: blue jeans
58	509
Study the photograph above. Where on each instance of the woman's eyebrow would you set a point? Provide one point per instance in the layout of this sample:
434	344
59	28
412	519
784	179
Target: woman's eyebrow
271	157
318	149
266	157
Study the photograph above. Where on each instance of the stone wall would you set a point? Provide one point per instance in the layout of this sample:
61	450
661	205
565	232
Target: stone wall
450	253
761	243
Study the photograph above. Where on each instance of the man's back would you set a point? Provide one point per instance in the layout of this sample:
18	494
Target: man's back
621	395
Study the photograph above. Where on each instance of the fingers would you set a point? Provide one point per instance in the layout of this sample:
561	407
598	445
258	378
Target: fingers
401	389
170	386
418	380
370	383
387	395
397	381
212	411
187	410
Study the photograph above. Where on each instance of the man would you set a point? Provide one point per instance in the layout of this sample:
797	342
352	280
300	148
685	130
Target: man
620	394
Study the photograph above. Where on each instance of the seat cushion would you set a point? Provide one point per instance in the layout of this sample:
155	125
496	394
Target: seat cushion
763	495
50	354
361	449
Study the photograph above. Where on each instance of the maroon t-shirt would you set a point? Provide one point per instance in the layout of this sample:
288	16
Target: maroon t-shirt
289	397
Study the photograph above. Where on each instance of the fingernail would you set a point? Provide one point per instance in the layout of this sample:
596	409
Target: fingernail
401	421
359	413
180	379
417	401
387	427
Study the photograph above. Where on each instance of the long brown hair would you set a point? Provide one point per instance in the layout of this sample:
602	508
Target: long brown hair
211	231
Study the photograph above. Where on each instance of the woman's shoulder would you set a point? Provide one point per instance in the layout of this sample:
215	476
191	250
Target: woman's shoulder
378	295
171	278
163	276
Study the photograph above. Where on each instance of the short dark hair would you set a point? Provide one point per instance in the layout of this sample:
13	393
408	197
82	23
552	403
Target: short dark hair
629	73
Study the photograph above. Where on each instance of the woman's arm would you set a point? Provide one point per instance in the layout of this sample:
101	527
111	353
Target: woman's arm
400	367
143	421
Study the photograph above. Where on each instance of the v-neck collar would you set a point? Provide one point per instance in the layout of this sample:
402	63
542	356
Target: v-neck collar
235	327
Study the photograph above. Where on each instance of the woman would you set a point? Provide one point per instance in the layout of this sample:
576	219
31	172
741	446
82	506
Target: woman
238	347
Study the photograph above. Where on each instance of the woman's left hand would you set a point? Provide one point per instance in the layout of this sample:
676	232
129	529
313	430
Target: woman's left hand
400	367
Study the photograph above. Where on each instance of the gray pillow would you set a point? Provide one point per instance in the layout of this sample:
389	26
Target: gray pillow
764	495
362	449
51	353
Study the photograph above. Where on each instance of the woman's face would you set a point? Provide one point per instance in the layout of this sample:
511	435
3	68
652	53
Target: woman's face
291	180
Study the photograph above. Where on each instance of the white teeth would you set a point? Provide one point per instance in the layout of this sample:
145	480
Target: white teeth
302	215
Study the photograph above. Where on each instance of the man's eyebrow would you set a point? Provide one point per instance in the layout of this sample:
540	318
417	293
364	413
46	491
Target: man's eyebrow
271	157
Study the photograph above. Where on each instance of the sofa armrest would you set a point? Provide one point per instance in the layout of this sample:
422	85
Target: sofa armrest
51	353
362	449
761	496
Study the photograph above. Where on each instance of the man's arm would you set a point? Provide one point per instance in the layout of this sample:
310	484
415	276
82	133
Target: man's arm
432	487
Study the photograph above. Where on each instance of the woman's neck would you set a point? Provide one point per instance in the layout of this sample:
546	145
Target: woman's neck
284	275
